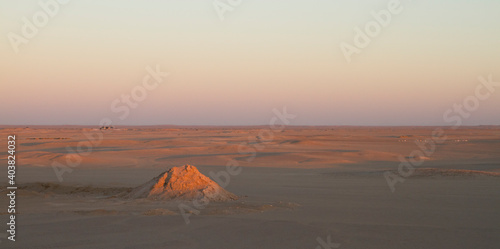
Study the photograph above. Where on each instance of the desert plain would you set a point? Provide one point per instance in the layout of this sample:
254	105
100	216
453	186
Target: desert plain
298	187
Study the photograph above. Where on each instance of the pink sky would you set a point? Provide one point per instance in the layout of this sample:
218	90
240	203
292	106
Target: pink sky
262	56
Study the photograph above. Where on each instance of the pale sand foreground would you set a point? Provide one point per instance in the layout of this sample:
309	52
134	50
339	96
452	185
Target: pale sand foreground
305	184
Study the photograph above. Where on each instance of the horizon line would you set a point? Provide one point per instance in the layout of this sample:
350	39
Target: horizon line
231	126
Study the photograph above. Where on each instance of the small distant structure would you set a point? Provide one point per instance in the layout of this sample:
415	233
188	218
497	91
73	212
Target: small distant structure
106	128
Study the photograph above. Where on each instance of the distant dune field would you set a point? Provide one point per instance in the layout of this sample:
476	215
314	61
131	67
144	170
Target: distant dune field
349	148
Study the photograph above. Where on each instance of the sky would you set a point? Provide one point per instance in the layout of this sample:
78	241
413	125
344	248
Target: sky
86	55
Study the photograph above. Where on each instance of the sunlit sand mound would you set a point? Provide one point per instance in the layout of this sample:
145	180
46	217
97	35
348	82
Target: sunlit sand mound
182	183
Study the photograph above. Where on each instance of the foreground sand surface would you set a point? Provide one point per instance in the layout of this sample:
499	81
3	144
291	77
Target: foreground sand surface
297	187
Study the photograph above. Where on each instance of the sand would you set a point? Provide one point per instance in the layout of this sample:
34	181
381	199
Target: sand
181	183
302	186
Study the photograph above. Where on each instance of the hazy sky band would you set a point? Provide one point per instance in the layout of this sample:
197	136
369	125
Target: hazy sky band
264	55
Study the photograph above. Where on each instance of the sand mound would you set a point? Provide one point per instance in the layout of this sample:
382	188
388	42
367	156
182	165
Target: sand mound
182	183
